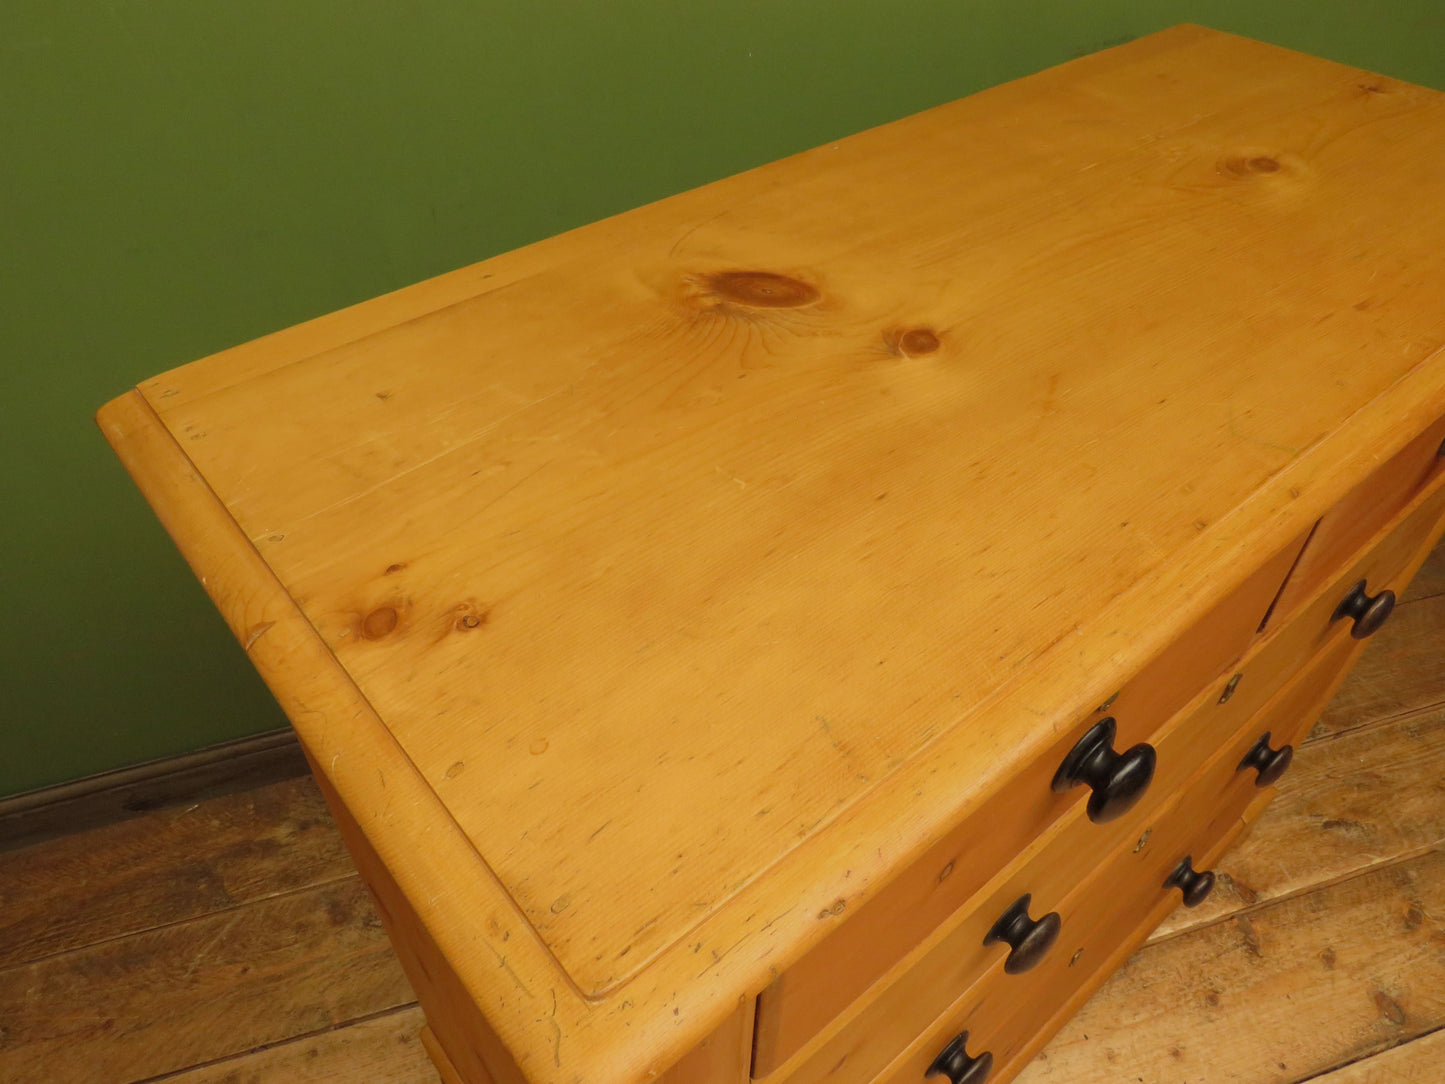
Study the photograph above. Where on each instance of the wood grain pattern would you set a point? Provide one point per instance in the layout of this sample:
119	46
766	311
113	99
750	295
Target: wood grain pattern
124	878
1415	1062
383	1050
442	1062
740	362
180	995
623	598
1314	981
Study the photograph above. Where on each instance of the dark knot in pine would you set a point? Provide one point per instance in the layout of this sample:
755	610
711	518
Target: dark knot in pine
761	289
379	622
1245	165
912	342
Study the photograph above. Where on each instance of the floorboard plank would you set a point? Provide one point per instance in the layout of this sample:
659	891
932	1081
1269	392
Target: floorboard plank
1290	991
1430	580
165	867
181	780
197	991
1403	670
1366	797
384	1050
1421	1061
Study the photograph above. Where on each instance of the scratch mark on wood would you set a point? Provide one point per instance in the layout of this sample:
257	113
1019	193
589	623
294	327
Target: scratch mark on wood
256	634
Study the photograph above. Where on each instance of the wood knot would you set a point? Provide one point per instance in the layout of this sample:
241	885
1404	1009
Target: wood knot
380	622
470	616
1389	1008
761	289
1248	165
918	340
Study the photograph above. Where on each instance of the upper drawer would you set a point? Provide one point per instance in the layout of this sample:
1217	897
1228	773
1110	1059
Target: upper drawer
816	988
1362	512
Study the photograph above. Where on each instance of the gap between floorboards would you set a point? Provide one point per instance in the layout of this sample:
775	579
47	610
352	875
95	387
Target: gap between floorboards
90	946
213	1062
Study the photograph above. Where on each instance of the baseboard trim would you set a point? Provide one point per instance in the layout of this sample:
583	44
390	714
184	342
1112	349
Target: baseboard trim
111	796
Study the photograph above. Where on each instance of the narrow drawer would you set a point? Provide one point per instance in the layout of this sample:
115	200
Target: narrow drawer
824	982
1362	512
1386	565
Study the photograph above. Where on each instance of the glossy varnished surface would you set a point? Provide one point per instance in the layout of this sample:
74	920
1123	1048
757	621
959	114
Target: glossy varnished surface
658	543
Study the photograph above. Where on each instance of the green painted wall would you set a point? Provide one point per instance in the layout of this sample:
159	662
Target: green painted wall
178	177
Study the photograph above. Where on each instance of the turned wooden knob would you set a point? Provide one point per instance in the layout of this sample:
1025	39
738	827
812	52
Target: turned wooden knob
1196	886
1368	613
1269	763
1028	940
1118	780
956	1064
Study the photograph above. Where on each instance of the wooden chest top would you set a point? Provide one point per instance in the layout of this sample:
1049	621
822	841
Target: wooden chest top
705	561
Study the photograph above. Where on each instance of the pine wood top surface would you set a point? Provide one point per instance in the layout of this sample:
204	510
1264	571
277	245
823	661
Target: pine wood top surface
661	545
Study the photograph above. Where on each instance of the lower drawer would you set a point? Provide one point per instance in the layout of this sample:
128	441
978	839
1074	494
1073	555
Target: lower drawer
1009	1021
1102	888
1014	1031
1101	898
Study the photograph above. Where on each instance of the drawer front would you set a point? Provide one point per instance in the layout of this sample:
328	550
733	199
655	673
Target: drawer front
1009	1019
811	993
945	988
1014	1023
1088	879
1364	511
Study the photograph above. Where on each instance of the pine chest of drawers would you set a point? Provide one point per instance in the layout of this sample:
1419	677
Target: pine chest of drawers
812	628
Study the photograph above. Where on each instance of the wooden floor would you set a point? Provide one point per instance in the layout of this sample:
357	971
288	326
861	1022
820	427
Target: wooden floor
227	941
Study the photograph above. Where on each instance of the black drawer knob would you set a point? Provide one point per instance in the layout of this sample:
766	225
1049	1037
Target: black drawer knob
1028	941
955	1063
1195	886
1269	763
1368	613
1118	779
